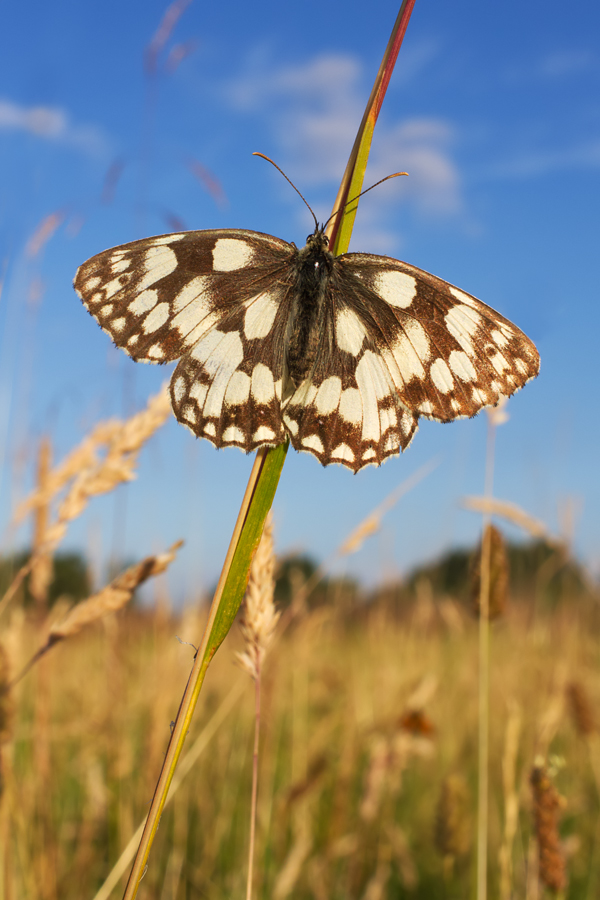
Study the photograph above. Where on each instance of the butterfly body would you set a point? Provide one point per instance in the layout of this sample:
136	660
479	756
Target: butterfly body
341	355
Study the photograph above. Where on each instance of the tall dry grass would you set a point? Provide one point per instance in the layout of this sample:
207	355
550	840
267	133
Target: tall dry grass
356	798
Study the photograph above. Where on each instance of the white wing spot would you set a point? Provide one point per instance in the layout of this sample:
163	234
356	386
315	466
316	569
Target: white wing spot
426	407
112	287
159	262
263	433
369	454
178	389
119	265
238	389
220	365
190	414
418	338
441	376
199	331
118	324
195	290
499	363
500	339
521	366
93	282
230	254
234	435
396	288
143	303
464	298
462	323
328	395
373	386
155	318
260	316
198	392
388	418
133	340
351	406
314	442
156	352
210	429
343	451
291	425
462	366
349	331
169	238
480	397
263	388
96	298
106	309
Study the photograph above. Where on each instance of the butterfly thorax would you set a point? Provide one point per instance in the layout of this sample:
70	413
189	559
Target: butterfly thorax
314	263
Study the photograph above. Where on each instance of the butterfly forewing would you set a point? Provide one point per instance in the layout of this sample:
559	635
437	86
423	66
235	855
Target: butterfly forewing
448	353
158	296
383	344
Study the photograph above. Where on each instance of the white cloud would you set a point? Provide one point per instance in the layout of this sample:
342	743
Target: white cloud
53	124
313	111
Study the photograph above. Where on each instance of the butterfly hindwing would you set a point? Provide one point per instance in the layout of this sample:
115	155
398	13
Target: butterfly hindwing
347	409
228	388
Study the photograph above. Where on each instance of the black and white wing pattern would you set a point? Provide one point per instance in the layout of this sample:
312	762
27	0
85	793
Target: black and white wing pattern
216	300
340	354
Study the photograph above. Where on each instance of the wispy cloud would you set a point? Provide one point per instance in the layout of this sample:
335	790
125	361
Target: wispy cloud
535	163
313	110
52	123
558	65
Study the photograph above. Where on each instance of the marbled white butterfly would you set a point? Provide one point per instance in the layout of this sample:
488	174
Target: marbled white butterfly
340	354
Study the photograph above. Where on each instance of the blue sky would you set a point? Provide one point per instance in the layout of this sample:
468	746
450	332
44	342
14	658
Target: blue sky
494	110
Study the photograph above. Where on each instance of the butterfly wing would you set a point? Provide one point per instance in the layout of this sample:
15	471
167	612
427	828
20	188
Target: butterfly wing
398	343
220	301
347	409
448	354
157	297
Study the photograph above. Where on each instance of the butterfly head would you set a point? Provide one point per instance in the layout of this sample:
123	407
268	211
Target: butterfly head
318	240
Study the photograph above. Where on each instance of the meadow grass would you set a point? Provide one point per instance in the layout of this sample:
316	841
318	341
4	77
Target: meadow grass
368	758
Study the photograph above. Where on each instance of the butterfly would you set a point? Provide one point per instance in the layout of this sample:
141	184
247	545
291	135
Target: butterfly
339	354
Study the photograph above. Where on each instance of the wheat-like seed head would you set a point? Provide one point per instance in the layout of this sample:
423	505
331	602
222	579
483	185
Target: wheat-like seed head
91	474
114	596
260	616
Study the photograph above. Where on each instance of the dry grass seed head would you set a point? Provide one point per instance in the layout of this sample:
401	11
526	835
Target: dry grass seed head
452	824
581	708
546	808
260	617
498	574
114	596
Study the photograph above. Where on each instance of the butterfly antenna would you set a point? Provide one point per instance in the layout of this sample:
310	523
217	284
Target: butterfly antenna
262	155
362	193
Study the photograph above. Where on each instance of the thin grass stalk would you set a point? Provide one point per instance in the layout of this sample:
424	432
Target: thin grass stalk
259	492
190	698
484	678
254	798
